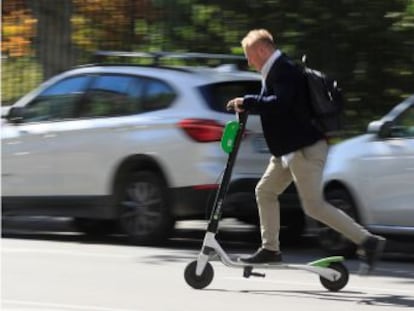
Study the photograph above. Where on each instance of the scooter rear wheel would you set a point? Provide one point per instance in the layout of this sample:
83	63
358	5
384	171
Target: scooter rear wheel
340	283
195	281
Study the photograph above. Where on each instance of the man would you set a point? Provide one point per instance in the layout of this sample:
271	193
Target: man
298	149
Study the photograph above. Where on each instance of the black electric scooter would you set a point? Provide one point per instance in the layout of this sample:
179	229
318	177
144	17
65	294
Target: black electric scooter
333	274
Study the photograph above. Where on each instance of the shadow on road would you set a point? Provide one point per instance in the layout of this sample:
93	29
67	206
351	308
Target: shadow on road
354	297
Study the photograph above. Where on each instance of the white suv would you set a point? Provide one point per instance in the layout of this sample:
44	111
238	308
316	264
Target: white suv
133	144
371	177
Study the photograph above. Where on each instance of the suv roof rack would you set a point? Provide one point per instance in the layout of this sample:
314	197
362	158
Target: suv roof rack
156	57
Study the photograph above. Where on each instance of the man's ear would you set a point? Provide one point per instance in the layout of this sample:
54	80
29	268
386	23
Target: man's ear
264	51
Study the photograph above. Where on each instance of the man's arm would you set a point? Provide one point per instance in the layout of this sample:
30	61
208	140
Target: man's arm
280	101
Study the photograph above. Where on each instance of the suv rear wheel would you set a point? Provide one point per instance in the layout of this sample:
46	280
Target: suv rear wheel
144	208
330	240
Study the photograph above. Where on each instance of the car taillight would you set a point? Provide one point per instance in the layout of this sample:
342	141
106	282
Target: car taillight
206	187
202	130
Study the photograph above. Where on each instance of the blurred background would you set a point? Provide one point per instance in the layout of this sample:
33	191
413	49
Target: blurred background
367	45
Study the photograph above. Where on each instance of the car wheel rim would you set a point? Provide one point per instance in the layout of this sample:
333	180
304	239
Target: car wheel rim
142	208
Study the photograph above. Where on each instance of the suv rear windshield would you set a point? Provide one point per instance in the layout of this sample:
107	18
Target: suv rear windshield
218	94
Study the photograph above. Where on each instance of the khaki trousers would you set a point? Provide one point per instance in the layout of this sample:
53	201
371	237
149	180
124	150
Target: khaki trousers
305	168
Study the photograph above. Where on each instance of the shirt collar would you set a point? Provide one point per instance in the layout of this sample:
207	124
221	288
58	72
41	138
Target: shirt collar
268	64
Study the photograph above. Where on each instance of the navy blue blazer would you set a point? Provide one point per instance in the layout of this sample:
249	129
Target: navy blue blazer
284	109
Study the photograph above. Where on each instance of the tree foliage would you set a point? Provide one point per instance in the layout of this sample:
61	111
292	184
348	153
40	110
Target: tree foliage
17	29
367	45
110	24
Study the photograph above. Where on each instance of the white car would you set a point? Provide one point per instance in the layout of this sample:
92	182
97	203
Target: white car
128	144
371	177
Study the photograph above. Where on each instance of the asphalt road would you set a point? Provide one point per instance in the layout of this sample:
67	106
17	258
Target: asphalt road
45	266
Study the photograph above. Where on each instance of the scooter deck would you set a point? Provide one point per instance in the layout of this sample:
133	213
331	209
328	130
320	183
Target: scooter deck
320	267
322	262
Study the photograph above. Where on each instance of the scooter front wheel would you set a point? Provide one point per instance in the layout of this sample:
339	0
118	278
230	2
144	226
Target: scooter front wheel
340	283
195	281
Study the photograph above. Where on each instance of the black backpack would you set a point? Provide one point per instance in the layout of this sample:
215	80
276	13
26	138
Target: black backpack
326	101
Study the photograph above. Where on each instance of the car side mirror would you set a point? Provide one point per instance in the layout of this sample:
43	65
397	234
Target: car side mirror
385	129
382	128
15	115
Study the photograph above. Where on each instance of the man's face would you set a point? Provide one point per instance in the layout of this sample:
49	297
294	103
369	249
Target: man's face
255	56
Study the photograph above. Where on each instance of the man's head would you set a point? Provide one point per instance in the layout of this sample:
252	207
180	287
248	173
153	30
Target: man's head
258	46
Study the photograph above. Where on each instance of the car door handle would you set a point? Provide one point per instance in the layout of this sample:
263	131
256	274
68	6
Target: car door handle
45	135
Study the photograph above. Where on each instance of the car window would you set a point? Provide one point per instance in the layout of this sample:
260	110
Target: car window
158	95
404	125
57	102
218	94
113	95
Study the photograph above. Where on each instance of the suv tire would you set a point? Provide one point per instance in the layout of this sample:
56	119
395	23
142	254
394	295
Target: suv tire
94	227
144	208
293	225
330	240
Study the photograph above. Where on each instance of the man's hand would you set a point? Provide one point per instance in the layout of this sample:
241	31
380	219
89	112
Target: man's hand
235	104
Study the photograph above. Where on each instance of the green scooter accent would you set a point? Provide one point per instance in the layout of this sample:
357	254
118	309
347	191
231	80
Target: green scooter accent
229	136
325	262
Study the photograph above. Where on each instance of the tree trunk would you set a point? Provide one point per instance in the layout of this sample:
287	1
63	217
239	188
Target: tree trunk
53	44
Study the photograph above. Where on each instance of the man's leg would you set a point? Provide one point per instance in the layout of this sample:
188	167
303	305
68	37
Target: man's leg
307	169
273	182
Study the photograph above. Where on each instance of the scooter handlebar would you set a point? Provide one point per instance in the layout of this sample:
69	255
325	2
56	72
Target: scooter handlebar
242	116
